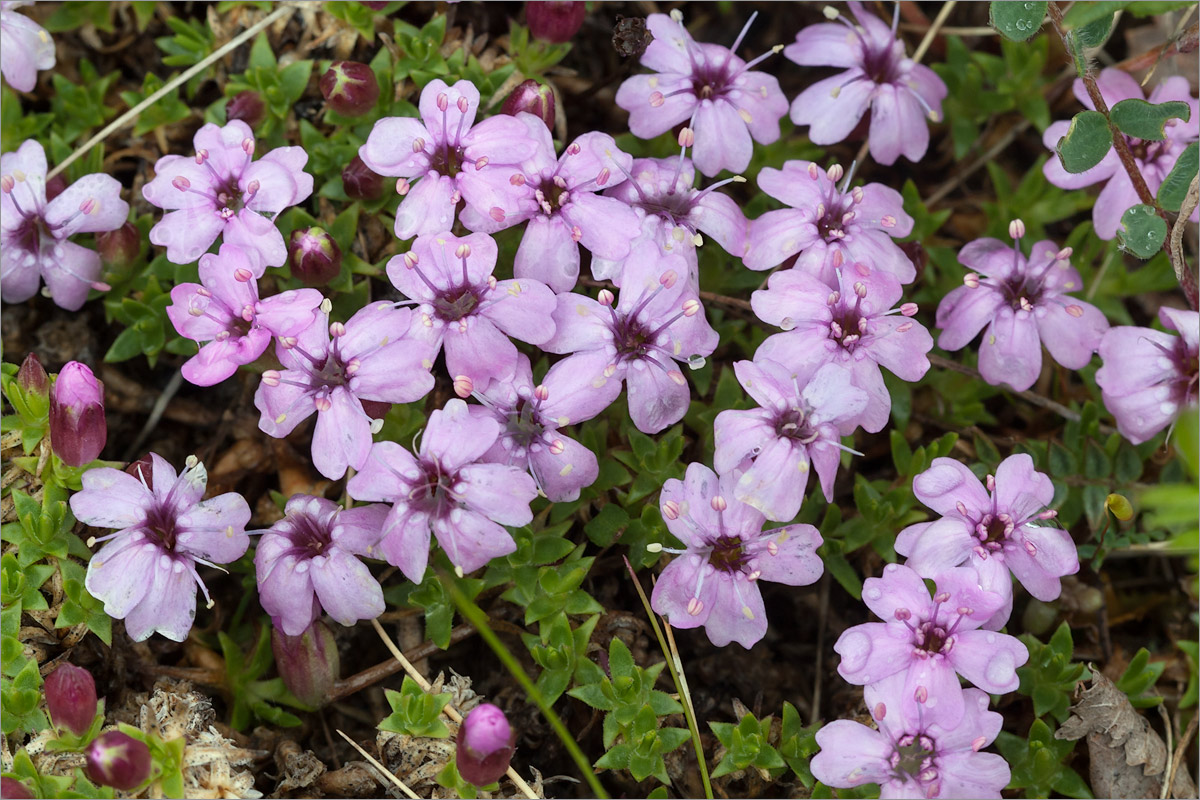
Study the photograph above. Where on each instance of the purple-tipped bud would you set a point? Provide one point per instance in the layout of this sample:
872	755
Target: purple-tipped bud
246	106
534	98
485	745
77	426
55	186
350	88
119	248
314	256
71	698
361	182
32	378
13	788
308	663
553	21
118	760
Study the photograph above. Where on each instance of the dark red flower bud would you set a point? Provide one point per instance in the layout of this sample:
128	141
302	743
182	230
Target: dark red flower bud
71	698
533	98
32	377
55	186
119	248
484	746
143	470
553	21
314	256
246	106
309	663
12	788
78	429
118	760
360	181
350	88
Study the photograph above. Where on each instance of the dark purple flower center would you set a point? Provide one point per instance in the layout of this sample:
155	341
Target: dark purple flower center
673	206
447	160
881	63
728	554
456	303
932	638
29	233
710	80
848	326
160	524
794	424
1022	291
1144	150
308	536
914	758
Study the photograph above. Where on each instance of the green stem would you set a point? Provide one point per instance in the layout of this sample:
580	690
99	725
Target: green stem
688	711
475	615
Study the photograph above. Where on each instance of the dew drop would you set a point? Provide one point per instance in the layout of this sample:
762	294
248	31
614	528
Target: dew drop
1000	669
854	647
696	362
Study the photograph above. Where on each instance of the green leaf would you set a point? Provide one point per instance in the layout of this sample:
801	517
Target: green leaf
1087	141
414	712
1142	120
1142	232
1017	21
1175	186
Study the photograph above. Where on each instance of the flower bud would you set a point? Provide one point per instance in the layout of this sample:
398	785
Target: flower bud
118	760
55	186
13	788
308	663
534	98
246	106
553	21
485	745
32	378
77	426
350	88
119	248
361	182
71	698
314	256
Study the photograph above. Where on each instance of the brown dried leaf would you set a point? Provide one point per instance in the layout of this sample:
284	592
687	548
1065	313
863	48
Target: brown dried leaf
1128	758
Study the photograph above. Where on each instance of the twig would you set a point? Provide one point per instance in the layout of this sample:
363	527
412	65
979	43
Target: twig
449	710
1181	749
1166	787
949	186
160	406
387	773
132	114
372	675
923	47
1184	273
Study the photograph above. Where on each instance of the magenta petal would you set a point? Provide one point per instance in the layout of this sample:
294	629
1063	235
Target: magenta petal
872	651
795	563
736	616
1011	352
851	753
472	540
657	398
169	605
346	588
548	254
943	544
988	660
69	276
963	313
647	121
215	529
948	482
832	107
428	207
481	352
562	476
606	225
503	491
285	593
738	435
342	437
722	139
775	483
1070	337
676	587
405	542
118	574
187	233
389	149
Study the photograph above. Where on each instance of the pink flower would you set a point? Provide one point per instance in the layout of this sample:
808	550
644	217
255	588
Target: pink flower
223	191
1154	159
1024	304
466	310
854	325
931	642
899	93
448	151
306	562
484	745
224	311
913	755
78	429
1005	528
25	47
828	226
726	104
34	233
146	573
714	582
1148	376
448	491
332	368
798	428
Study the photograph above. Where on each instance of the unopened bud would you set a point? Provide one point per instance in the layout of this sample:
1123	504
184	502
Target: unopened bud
1120	507
34	382
55	186
71	698
246	106
360	182
1016	229
533	98
11	787
350	88
554	21
78	429
485	745
118	760
119	248
314	256
308	663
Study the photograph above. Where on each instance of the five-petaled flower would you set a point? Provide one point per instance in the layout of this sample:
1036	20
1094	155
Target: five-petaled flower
146	573
725	103
34	233
307	562
714	582
222	190
1024	304
1004	528
899	93
446	490
448	151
